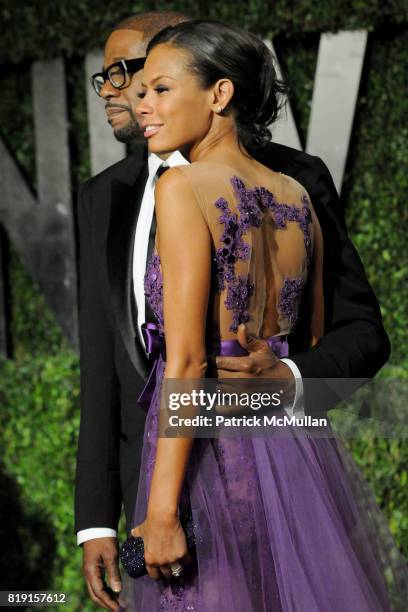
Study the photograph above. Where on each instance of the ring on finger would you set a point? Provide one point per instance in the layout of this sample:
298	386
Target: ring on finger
176	569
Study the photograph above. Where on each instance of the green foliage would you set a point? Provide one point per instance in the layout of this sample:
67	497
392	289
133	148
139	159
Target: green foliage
43	28
297	58
377	181
16	113
378	442
384	462
33	326
39	421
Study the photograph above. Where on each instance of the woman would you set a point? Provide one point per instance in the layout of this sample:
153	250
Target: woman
236	243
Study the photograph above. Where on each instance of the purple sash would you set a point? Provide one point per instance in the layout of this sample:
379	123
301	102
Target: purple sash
232	348
156	348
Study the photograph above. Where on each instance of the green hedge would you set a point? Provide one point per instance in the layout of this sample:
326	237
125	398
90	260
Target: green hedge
39	434
39	388
40	427
43	28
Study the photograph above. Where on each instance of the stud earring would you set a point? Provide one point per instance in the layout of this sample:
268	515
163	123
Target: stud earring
219	109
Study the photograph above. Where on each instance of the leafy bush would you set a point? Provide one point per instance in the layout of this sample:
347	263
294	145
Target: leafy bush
40	421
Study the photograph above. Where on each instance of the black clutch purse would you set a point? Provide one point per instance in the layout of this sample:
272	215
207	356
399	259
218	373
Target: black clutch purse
131	552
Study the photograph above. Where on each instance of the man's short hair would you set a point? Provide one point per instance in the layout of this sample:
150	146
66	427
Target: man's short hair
152	22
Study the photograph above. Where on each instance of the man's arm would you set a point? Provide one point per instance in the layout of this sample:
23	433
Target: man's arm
97	492
355	343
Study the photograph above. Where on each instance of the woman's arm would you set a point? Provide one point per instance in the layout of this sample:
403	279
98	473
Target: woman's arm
184	247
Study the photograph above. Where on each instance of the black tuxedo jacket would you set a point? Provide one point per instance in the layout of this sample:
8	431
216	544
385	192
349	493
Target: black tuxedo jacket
113	364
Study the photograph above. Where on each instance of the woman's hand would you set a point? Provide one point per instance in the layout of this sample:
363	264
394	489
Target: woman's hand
164	543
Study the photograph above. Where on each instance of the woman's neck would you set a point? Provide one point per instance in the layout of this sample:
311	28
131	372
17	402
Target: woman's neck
221	146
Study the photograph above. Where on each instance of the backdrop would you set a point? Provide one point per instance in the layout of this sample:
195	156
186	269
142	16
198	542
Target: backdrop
39	384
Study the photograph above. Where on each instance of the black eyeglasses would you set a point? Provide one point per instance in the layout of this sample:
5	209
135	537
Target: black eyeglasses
117	73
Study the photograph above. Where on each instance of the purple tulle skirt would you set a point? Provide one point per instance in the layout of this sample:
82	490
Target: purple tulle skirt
287	523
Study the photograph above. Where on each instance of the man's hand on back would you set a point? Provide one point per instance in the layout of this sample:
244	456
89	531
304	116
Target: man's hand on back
261	363
100	555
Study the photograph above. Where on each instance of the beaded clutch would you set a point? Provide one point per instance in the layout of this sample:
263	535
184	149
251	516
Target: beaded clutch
131	552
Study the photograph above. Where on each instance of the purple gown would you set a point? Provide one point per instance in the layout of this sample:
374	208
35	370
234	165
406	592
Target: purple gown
288	523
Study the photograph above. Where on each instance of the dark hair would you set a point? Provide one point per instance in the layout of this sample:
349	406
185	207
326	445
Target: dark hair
152	22
221	51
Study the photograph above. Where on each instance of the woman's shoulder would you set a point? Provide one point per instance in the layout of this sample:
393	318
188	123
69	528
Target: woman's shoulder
211	180
202	168
173	183
286	189
278	180
194	173
291	183
183	183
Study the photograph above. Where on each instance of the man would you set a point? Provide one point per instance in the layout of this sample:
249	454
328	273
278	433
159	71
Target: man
115	216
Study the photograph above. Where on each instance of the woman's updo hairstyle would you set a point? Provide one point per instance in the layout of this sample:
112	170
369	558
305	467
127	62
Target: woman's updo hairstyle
222	51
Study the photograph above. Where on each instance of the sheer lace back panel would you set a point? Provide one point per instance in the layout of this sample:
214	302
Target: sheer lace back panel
262	244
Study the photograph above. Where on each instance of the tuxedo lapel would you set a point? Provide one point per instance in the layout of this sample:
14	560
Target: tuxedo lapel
125	203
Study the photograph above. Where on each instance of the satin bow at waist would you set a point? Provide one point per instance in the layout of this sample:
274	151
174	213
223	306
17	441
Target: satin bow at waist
232	348
156	348
154	341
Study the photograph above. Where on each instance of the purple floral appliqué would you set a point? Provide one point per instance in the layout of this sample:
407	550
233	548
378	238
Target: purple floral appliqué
238	293
282	213
153	288
248	205
239	289
233	247
289	297
251	205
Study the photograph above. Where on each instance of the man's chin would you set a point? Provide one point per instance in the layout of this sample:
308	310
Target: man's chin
127	133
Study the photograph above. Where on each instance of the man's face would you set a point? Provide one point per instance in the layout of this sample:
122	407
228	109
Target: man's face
120	103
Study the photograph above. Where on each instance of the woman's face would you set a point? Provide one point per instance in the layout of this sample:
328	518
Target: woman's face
175	112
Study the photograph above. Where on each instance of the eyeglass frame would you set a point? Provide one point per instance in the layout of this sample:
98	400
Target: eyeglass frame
130	66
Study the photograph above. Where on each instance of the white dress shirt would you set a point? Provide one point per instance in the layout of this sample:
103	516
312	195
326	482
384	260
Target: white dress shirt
140	246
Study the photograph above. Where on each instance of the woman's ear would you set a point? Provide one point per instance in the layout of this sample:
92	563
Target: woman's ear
222	93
